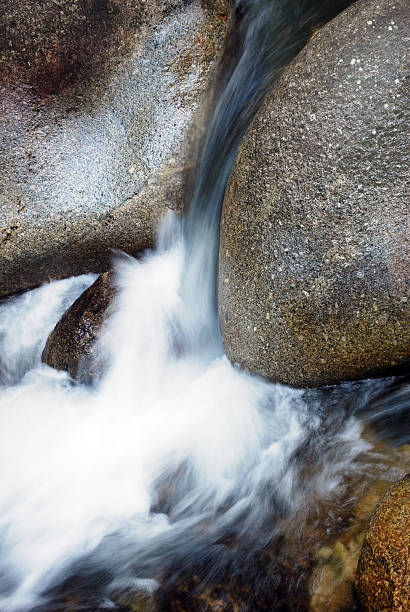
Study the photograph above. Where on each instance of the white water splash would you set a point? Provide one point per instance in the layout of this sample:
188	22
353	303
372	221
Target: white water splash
81	463
26	321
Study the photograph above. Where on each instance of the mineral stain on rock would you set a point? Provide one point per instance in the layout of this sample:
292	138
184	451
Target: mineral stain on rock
50	45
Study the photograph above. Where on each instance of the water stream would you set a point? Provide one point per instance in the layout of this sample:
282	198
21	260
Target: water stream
175	462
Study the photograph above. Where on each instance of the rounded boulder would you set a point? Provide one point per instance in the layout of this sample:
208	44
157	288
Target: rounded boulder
314	253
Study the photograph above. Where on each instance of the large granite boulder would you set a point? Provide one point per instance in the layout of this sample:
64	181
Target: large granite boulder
96	102
314	258
383	572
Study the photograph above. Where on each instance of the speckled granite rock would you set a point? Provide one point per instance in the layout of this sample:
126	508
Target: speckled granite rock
383	573
96	102
70	346
314	258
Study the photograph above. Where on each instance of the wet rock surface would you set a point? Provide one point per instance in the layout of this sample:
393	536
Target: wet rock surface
97	99
70	346
313	264
331	582
383	577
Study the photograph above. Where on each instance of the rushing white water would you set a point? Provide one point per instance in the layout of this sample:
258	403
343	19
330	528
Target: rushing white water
174	451
26	321
81	463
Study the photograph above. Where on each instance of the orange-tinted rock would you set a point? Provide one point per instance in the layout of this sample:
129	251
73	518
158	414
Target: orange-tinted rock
383	574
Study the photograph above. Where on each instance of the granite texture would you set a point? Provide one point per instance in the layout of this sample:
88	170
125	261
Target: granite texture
71	344
383	572
314	253
98	100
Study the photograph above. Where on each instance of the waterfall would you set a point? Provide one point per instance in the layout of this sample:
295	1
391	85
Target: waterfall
175	458
266	35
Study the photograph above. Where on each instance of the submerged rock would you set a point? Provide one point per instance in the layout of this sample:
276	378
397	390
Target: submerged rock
70	346
141	598
383	577
313	263
96	103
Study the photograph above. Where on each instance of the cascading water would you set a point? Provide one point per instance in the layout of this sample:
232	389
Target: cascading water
167	454
175	459
266	36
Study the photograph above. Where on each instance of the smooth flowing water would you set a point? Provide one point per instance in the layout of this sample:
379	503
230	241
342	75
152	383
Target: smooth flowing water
175	461
171	452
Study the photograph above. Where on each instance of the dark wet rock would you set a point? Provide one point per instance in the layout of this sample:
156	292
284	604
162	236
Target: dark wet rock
383	573
97	100
70	346
227	595
314	259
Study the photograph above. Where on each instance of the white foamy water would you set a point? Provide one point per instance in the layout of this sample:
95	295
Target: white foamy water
26	321
170	420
